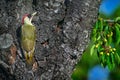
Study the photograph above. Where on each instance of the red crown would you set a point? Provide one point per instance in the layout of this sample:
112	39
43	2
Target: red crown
24	18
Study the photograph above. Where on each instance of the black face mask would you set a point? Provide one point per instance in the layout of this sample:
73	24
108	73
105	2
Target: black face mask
29	16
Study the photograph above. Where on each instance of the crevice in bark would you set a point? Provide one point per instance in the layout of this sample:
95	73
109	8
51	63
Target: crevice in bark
5	73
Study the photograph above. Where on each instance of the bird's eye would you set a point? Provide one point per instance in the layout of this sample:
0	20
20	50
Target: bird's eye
29	16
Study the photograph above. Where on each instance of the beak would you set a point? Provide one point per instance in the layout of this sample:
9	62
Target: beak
33	15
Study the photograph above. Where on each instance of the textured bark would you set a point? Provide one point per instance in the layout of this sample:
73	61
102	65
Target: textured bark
63	32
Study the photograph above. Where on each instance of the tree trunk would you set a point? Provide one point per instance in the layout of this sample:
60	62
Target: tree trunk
63	32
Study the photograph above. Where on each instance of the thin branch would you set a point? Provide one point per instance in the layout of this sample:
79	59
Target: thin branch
109	21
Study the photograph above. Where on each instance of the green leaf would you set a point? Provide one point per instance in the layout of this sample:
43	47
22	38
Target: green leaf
93	35
109	40
97	25
117	19
98	38
99	49
117	35
112	57
106	29
102	59
117	58
92	50
101	24
113	60
109	64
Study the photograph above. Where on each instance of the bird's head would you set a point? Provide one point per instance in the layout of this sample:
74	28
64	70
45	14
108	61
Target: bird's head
27	18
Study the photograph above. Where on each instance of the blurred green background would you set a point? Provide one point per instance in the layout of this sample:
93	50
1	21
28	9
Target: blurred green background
89	67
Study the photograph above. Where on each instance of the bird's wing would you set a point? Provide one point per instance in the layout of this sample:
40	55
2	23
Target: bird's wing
28	37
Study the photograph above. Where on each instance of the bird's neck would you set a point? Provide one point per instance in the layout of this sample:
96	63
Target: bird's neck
28	23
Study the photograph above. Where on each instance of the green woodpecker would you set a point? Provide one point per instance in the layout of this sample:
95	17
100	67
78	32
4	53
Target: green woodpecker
28	37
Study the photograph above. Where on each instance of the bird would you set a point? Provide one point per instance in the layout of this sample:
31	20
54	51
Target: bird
28	37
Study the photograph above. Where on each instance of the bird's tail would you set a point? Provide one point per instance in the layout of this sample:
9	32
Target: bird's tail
29	57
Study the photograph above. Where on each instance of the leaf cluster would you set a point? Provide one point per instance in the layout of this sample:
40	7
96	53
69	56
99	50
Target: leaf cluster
106	38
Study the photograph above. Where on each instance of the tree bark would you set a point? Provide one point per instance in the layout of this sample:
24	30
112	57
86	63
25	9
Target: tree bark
63	33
